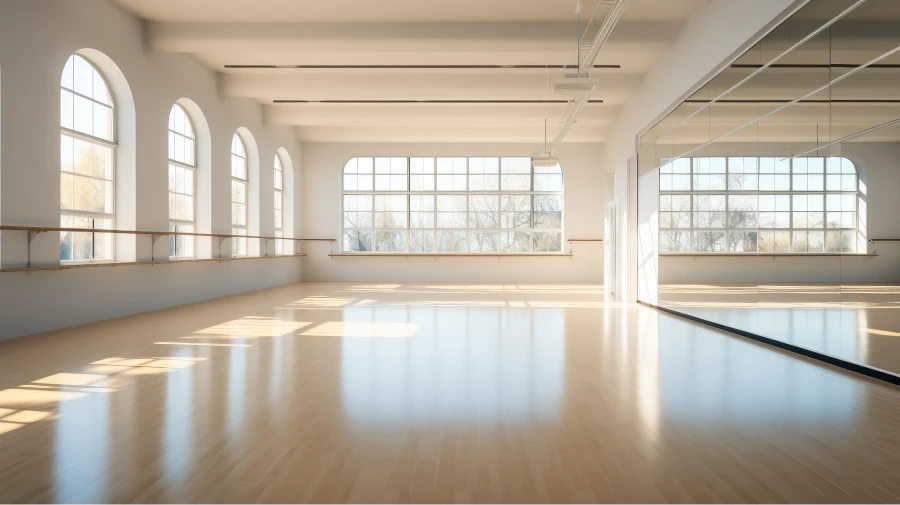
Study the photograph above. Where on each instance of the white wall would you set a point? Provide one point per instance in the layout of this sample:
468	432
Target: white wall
709	40
878	165
36	38
583	203
648	237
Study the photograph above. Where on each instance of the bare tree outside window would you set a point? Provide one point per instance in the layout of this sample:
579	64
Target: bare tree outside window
451	205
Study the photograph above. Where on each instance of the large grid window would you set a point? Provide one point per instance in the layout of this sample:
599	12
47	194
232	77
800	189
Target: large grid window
238	196
279	205
87	153
451	205
758	205
182	183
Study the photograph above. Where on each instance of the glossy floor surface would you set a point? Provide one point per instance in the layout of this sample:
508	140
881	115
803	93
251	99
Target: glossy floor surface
854	322
433	393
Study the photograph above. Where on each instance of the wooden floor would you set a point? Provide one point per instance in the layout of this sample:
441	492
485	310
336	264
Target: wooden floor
854	322
328	392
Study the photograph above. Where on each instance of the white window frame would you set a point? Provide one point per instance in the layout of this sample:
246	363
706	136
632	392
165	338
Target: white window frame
467	193
91	139
791	193
279	191
191	169
237	229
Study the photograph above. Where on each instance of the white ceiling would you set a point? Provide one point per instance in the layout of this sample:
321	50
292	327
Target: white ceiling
406	11
413	32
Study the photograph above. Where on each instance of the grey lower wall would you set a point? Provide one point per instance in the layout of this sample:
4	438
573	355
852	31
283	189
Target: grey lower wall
33	302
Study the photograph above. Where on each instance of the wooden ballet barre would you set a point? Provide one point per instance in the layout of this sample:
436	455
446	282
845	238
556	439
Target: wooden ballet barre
142	263
874	240
571	240
34	231
767	255
42	229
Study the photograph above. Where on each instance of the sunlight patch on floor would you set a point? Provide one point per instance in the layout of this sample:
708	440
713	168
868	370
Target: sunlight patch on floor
250	327
322	301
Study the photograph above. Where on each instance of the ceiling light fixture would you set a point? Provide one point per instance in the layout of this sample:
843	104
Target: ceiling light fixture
543	159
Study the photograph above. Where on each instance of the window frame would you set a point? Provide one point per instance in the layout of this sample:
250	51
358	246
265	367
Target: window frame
279	230
111	144
192	169
436	229
692	228
238	242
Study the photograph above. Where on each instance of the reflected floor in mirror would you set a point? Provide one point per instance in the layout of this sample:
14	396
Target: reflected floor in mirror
854	322
327	392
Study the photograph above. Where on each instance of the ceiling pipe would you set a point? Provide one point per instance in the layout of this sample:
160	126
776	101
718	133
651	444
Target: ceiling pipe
585	63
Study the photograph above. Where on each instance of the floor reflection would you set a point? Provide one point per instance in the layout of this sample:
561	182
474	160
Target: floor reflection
82	449
707	380
854	322
464	364
327	392
178	423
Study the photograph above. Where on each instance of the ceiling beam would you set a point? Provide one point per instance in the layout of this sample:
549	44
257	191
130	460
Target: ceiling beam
415	86
430	115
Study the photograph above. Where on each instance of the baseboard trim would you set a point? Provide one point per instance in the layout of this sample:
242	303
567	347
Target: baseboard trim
852	366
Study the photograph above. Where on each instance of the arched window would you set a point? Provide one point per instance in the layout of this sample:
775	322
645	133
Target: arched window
758	205
182	182
279	204
87	153
451	205
238	195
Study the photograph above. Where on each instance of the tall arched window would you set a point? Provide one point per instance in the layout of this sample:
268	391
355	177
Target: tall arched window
87	153
238	195
279	204
182	182
451	205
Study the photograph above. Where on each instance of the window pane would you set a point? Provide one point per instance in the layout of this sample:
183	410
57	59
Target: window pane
421	174
516	242
516	174
451	211
548	179
547	241
484	211
390	241
709	241
547	211
451	174
451	241
421	241
674	241
484	174
484	241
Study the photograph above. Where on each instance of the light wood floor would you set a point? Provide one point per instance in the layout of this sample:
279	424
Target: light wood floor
854	322
433	393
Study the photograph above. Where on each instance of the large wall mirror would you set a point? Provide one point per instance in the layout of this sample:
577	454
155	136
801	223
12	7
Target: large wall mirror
769	200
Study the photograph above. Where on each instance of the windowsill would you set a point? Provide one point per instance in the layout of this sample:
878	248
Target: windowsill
84	262
451	255
768	255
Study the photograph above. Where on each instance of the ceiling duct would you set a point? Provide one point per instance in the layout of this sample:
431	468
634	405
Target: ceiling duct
573	86
604	19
